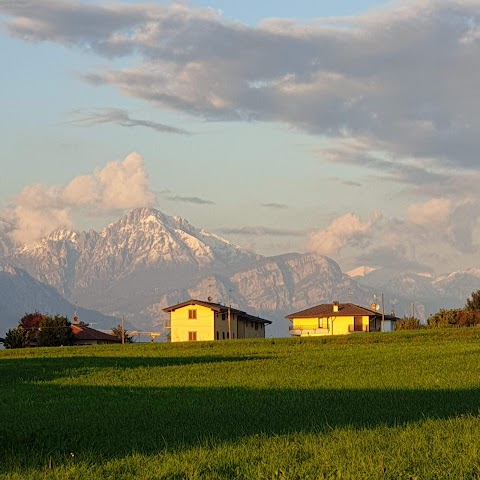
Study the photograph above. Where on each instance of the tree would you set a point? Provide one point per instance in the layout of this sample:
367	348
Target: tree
31	321
444	318
408	323
117	331
54	332
473	303
17	338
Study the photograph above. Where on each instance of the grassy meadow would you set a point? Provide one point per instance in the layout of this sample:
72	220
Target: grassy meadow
403	405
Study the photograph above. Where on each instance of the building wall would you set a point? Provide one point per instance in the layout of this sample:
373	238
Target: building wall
254	332
305	323
181	325
221	326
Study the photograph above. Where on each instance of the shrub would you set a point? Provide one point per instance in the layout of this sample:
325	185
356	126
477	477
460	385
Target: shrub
408	323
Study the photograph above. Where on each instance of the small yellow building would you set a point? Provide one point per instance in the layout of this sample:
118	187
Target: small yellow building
196	320
338	319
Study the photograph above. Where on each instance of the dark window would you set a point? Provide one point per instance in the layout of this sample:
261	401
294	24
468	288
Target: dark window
223	335
218	335
192	336
233	335
223	316
228	335
256	326
192	314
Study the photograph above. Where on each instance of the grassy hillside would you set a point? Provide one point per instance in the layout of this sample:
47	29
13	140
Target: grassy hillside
400	405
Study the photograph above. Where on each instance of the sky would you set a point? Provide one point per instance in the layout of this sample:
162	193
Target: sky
349	129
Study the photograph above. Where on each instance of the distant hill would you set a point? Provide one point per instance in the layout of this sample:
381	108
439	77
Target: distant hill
21	293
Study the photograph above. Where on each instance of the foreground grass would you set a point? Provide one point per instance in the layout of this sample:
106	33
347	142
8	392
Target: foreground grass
402	405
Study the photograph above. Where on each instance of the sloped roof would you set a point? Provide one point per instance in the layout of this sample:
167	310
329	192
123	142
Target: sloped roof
218	308
344	310
82	333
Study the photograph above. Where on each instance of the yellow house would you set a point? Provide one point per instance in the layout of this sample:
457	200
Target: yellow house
196	320
338	319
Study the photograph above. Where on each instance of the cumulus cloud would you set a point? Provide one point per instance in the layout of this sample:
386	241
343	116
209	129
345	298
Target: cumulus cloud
437	232
401	77
117	116
434	212
345	230
40	209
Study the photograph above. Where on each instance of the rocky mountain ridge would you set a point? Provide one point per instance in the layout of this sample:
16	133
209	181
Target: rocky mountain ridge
147	260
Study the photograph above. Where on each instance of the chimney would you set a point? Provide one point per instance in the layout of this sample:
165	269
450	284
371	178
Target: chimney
335	306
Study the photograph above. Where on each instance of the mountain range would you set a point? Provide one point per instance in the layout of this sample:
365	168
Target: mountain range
147	260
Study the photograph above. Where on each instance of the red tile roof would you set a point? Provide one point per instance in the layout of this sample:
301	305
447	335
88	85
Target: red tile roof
344	310
217	307
81	333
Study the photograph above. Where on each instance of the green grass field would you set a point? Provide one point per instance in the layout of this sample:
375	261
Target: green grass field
400	405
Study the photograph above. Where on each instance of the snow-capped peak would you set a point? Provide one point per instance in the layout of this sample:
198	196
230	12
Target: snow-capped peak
360	271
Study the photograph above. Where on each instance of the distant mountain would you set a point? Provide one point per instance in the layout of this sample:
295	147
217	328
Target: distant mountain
140	244
20	294
7	246
276	286
126	266
148	260
427	292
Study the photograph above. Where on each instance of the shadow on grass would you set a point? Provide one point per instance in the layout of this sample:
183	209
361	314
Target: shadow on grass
13	370
115	421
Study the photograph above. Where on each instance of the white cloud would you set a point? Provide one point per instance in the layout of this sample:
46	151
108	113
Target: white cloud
343	231
435	212
40	209
36	211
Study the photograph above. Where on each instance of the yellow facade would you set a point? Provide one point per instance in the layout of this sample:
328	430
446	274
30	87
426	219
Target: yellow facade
182	327
197	322
331	325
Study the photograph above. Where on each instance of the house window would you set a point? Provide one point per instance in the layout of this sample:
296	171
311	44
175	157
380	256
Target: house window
233	335
192	336
218	335
256	326
223	316
192	314
261	326
223	335
228	335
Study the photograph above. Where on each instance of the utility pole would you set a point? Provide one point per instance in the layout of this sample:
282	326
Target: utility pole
413	310
383	315
229	322
123	329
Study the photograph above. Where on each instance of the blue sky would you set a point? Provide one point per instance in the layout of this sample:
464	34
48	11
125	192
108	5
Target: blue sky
350	130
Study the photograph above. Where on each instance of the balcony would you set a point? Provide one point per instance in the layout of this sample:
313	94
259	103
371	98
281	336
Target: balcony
307	330
358	328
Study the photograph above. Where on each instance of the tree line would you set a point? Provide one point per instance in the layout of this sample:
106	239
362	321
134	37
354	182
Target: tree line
41	330
468	316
